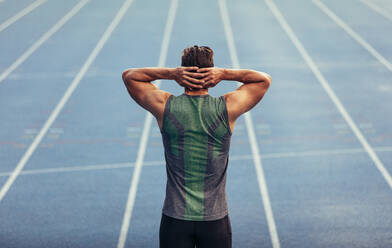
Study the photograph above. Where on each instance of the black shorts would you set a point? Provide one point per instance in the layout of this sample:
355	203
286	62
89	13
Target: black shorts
176	233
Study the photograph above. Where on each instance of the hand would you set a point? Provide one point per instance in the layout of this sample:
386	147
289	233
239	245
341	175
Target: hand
188	78
211	76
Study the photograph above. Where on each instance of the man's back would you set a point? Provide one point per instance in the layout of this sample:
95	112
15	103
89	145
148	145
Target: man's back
196	136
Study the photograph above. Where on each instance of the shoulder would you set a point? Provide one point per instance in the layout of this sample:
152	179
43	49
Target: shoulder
155	101
159	96
229	98
233	105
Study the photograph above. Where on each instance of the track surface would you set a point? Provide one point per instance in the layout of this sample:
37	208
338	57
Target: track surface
324	189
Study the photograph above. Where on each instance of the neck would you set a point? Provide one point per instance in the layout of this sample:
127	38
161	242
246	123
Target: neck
196	92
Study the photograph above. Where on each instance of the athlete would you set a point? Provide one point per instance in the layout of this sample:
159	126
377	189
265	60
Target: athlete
196	129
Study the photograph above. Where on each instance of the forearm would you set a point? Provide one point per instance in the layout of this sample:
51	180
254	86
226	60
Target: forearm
148	74
245	76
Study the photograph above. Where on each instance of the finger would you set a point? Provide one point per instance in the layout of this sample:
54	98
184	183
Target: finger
191	68
195	86
211	85
204	69
206	86
194	75
208	79
193	80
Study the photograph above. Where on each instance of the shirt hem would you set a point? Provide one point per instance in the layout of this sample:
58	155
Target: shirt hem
197	218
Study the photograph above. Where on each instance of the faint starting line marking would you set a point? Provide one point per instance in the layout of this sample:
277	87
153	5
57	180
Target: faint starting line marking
251	132
20	14
146	131
353	34
265	156
66	95
43	39
324	83
377	9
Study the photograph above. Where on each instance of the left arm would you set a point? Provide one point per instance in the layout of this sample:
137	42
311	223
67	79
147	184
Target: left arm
147	95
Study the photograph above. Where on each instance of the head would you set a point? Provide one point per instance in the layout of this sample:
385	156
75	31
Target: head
200	56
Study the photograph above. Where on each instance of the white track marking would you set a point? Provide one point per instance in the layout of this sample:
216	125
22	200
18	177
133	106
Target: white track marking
353	34
265	156
72	169
378	9
65	97
251	133
20	14
82	168
43	39
146	132
312	65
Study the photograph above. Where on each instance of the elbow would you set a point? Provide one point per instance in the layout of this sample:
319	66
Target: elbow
265	79
268	79
126	75
129	76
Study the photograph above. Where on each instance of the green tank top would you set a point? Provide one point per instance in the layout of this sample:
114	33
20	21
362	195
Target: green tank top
196	136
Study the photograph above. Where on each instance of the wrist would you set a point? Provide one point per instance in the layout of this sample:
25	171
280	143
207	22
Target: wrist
172	73
221	73
226	74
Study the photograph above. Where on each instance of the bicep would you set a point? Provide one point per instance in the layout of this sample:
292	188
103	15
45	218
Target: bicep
244	98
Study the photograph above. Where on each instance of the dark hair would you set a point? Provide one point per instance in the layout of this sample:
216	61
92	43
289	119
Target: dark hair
197	56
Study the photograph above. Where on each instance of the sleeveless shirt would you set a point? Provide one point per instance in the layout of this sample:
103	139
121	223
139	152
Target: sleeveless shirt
196	137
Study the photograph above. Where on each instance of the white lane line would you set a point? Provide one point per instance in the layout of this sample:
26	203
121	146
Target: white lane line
65	97
377	9
353	34
82	168
72	169
265	156
251	133
43	39
312	65
146	132
20	14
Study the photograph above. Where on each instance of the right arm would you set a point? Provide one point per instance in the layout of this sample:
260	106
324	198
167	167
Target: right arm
147	95
255	85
